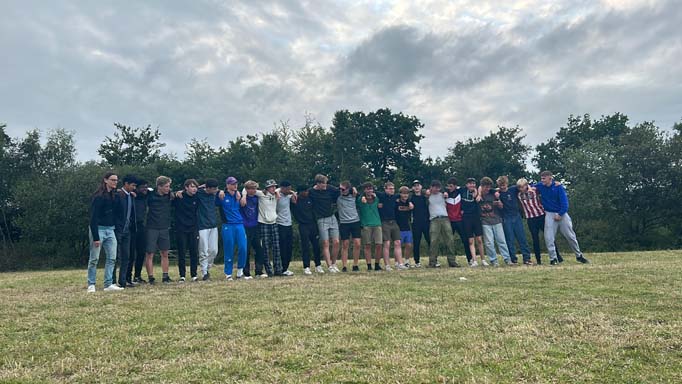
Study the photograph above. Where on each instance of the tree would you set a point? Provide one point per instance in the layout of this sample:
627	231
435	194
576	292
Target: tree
348	146
310	149
131	146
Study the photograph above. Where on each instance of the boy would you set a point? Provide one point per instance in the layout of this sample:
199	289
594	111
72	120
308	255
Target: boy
389	227
208	226
403	216
511	220
284	225
471	219
159	204
233	229
441	232
491	219
125	230
186	233
323	197
267	223
454	208
249	211
349	226
535	216
420	221
368	208
302	209
140	240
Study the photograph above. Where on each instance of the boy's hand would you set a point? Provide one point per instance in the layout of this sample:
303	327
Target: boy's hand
221	195
497	195
411	206
445	195
364	200
178	194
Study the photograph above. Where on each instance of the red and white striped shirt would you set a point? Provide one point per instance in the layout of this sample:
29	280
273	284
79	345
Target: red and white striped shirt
531	204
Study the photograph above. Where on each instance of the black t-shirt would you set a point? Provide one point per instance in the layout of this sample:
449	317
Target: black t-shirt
387	210
420	213
403	214
159	211
186	213
323	201
470	207
303	210
140	207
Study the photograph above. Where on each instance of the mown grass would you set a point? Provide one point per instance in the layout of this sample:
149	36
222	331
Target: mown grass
617	320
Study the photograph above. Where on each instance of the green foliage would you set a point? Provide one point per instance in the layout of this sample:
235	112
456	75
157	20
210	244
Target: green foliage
131	146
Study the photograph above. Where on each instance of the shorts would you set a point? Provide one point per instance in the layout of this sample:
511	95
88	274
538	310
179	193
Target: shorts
372	235
348	230
390	230
472	226
406	237
157	240
328	228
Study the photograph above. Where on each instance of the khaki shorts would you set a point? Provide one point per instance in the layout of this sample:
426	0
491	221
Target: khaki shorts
371	235
390	230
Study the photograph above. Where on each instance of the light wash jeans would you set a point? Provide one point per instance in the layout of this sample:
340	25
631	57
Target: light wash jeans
565	226
495	234
107	239
208	248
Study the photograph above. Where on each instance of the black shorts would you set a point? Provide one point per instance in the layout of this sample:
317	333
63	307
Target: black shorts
348	230
472	226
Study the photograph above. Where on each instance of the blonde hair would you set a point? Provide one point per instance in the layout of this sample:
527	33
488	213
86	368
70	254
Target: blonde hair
163	180
404	190
502	180
521	182
321	179
251	184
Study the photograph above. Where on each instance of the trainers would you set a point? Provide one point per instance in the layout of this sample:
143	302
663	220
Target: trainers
561	259
437	265
484	263
554	262
113	287
528	262
182	279
401	267
307	271
356	268
388	268
344	269
418	265
582	260
455	265
240	273
407	265
206	277
333	269
167	280
228	277
319	269
287	273
195	279
139	280
247	277
263	276
473	264
377	267
496	264
130	285
152	280
91	288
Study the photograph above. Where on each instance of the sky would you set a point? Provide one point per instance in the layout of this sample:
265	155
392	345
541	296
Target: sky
223	69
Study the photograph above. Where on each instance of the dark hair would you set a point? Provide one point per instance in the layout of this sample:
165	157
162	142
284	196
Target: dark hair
285	183
102	189
130	179
436	183
367	185
471	180
546	173
302	188
486	182
189	182
452	181
211	183
142	182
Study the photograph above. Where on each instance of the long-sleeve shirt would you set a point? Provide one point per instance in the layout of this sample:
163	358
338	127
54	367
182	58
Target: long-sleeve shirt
159	210
102	213
186	213
323	200
387	210
530	202
229	206
420	213
470	206
207	218
510	202
250	211
554	198
303	210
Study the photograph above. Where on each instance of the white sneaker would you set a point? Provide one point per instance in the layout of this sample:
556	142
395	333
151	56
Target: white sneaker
400	267
332	269
485	263
113	287
418	265
91	288
247	277
228	277
307	271
240	273
182	280
194	279
319	269
288	273
388	268
263	276
473	264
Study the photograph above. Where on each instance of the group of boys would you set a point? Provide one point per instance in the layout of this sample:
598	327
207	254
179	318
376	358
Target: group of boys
329	220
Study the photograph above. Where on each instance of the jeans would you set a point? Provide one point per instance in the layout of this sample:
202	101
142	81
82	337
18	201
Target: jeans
513	230
187	241
126	249
441	235
208	248
286	244
565	226
234	235
458	226
495	234
535	225
419	230
309	237
107	239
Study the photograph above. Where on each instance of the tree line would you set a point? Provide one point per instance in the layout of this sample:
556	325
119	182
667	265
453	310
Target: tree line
623	179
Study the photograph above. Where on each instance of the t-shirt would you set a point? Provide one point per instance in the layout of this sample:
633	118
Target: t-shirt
437	206
403	214
159	211
250	211
230	208
470	207
267	208
369	212
207	217
284	210
348	212
454	206
510	202
490	214
530	202
420	213
387	210
323	201
303	210
186	213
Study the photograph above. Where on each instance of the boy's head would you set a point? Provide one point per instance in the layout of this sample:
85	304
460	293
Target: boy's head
302	191
163	184
191	187
452	184
486	184
321	181
471	184
546	178
503	183
346	187
404	193
211	186
270	186
417	186
142	186
285	187
522	184
368	188
129	183
231	183
436	186
251	187
389	188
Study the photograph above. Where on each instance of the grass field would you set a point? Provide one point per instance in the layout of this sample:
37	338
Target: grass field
617	320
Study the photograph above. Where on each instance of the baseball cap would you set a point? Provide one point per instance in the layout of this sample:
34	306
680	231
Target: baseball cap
416	181
231	180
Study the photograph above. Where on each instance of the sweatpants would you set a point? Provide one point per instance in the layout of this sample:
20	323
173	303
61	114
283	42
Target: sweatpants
535	225
419	230
270	239
208	248
309	237
565	226
458	226
187	241
234	236
286	244
441	236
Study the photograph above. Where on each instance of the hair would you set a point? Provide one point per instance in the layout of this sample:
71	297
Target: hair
321	179
367	184
388	184
471	180
521	182
486	182
211	183
502	180
251	184
102	188
346	184
436	183
130	179
285	183
404	190
142	182
190	182
163	180
546	173
452	181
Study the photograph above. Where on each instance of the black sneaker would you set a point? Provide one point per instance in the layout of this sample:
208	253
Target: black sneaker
167	280
582	260
561	259
206	277
139	280
369	267
344	269
130	285
152	280
538	262
455	265
554	262
377	267
356	268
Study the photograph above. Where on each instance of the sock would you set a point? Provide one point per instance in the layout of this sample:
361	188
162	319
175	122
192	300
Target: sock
165	275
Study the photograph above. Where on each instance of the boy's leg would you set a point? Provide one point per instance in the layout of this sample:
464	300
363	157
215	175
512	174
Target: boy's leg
240	239
520	236
182	243
109	244
266	243
458	226
508	228
285	234
228	249
489	243
204	235
357	244
566	228
212	247
498	232
550	230
435	243
193	254
303	234
93	260
534	228
276	252
123	250
141	251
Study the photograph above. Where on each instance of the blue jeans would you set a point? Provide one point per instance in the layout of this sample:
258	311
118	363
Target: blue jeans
234	234
513	230
495	234
107	239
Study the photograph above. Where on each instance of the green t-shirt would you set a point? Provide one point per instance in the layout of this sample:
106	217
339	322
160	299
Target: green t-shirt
369	212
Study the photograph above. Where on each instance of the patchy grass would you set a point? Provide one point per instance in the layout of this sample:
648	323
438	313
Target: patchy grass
614	321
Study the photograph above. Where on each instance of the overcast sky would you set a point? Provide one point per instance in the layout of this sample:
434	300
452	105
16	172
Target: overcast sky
222	69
